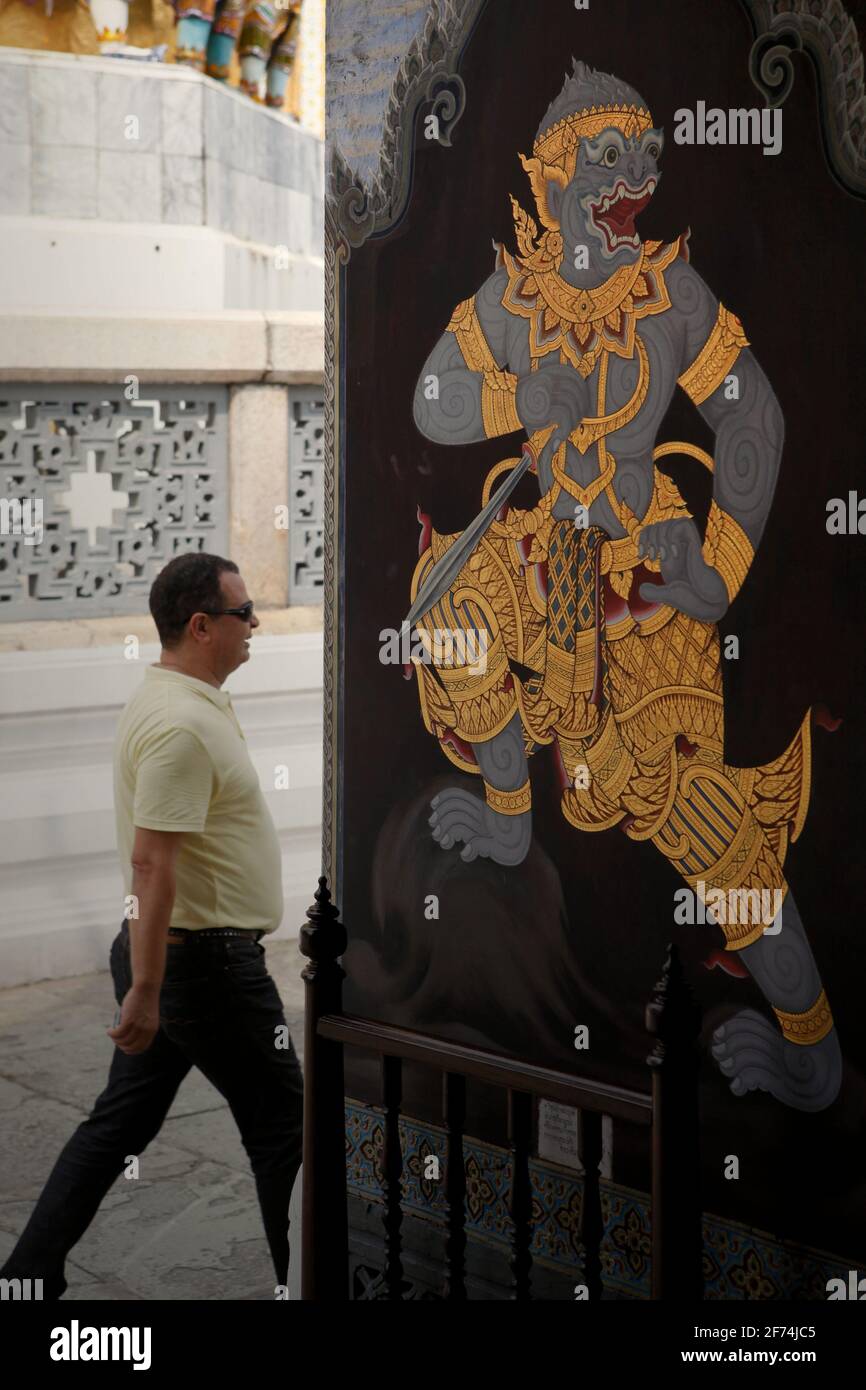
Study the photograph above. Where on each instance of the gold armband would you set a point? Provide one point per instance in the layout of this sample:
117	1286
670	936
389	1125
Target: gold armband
470	338
810	1027
727	549
498	408
499	388
716	357
509	803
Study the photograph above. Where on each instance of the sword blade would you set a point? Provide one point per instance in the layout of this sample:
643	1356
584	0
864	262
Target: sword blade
447	568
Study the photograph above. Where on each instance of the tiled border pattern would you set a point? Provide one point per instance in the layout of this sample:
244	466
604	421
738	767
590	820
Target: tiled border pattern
739	1263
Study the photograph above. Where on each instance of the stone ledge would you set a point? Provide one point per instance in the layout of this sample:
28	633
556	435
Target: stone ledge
52	58
160	72
286	347
294	341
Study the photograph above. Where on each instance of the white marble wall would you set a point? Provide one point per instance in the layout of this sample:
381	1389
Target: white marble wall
61	893
125	146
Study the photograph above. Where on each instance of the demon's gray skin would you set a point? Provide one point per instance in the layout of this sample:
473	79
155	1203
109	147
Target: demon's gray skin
750	1049
458	815
749	433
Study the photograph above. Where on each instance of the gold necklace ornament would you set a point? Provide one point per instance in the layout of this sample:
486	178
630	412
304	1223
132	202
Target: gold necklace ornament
580	323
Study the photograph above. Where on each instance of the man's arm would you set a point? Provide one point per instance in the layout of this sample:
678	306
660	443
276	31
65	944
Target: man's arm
173	786
154	854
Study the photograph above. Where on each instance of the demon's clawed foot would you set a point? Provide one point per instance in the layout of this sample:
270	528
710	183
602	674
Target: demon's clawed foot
753	1053
458	815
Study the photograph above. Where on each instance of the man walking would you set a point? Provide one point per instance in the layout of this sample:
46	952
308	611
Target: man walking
201	866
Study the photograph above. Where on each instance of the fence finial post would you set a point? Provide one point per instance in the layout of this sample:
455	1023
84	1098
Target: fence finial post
325	1240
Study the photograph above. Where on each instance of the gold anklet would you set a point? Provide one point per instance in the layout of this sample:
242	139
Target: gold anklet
807	1028
509	803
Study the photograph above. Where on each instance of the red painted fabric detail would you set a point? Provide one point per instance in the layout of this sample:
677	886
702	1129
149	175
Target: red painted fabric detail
727	961
825	720
426	528
463	750
559	766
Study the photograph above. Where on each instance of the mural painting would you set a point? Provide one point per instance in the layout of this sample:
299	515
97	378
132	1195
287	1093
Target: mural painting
594	494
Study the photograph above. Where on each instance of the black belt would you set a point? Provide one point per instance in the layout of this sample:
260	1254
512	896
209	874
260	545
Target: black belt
187	934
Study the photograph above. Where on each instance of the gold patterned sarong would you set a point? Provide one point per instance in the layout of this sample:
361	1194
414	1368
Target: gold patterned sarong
630	693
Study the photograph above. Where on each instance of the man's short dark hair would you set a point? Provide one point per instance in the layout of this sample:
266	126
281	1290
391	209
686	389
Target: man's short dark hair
188	584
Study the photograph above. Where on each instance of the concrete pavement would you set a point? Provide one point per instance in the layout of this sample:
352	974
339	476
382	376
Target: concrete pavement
188	1227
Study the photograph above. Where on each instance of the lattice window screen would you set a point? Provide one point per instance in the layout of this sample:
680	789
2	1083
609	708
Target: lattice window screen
306	463
125	485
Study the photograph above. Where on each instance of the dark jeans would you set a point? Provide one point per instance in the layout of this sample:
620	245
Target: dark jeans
219	1011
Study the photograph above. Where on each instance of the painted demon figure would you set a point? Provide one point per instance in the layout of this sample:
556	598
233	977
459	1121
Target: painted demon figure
598	607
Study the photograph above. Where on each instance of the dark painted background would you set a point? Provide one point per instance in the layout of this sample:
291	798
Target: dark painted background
577	934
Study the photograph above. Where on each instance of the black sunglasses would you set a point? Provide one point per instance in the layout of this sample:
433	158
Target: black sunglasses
246	612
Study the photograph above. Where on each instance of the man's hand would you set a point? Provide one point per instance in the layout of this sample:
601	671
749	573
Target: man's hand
689	583
139	1020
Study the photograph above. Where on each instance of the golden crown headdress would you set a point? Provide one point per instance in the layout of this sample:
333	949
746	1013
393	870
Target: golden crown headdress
558	145
554	159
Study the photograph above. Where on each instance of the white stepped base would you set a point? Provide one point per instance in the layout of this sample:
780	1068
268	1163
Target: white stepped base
84	266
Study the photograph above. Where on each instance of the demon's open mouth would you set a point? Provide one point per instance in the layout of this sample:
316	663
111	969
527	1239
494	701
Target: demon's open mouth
615	211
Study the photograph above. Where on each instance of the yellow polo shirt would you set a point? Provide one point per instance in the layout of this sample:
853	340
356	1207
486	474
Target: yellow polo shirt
181	763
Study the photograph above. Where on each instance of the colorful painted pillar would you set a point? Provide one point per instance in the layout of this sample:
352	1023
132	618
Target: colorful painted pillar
266	35
224	36
263	26
282	58
194	20
257	35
